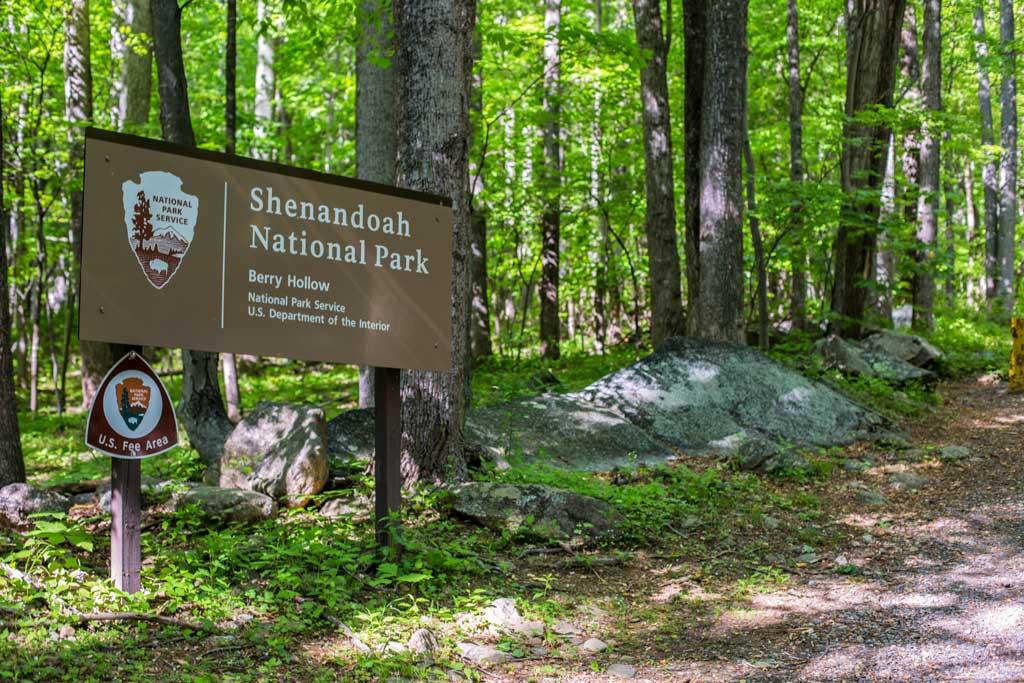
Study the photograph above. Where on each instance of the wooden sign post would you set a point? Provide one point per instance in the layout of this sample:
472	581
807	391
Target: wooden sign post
195	249
131	418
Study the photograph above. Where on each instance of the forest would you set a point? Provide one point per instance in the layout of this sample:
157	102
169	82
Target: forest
739	278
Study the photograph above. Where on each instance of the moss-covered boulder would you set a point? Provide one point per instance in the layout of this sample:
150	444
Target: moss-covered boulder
536	511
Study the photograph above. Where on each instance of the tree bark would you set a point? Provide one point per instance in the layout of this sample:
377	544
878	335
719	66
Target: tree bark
928	199
375	118
989	174
660	223
720	295
694	35
231	392
873	31
202	409
551	181
12	462
130	48
798	283
1006	242
433	54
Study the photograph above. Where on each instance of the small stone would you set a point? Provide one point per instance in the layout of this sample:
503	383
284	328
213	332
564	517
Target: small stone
908	480
807	558
483	655
954	453
339	507
565	628
621	670
19	501
841	560
593	646
394	647
66	632
867	538
423	641
872	498
770	522
502	615
855	464
540	651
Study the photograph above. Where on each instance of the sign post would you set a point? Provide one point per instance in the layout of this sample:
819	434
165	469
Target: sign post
131	418
190	248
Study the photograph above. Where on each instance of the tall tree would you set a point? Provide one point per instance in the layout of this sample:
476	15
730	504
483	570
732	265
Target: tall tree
97	357
231	392
660	223
550	177
715	281
266	80
1006	242
375	116
12	463
989	174
910	70
480	307
928	201
432	40
130	47
884	266
202	409
695	21
798	284
872	37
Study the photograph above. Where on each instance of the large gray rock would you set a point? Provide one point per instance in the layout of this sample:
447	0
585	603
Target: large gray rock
910	348
228	505
280	450
850	357
19	500
710	397
536	511
565	431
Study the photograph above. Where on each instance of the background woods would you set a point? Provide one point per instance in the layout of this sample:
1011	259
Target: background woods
596	153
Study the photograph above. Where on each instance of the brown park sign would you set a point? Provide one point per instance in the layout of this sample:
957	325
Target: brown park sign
207	251
131	414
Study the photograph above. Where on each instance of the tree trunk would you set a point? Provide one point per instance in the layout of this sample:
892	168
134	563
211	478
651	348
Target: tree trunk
755	238
1006	243
884	264
720	296
266	86
432	39
12	462
949	193
480	325
231	392
694	35
202	409
660	224
928	201
988	169
97	357
131	89
910	70
798	285
873	31
975	288
551	182
375	118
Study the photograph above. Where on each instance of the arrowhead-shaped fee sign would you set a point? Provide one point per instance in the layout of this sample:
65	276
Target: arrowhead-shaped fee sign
131	414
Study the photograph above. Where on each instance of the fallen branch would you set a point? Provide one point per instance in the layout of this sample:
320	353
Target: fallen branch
344	628
138	616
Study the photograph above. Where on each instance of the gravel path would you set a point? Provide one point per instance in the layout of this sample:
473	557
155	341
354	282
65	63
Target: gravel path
942	597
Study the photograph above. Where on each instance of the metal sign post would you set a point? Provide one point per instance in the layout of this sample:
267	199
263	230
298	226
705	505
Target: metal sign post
387	389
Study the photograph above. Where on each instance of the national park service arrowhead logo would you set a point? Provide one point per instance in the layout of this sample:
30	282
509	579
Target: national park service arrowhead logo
131	414
161	222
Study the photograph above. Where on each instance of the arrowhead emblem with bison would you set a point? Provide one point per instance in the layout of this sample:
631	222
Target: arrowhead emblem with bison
161	221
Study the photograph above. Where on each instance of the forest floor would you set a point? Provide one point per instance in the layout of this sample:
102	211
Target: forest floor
894	561
925	587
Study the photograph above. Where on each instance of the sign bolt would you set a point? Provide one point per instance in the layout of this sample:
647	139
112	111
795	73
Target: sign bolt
102	310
